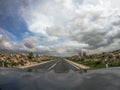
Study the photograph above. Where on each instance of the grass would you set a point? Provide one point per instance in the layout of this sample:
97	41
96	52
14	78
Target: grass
93	64
97	64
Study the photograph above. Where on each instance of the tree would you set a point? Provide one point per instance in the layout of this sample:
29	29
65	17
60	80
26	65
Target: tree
31	56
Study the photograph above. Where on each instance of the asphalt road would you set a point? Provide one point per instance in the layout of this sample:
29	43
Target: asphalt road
60	66
100	79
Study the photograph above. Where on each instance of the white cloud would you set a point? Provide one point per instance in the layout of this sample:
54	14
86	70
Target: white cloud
92	25
31	42
57	31
7	44
4	42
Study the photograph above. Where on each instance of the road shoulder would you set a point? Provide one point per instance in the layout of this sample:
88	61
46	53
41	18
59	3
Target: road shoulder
23	67
78	65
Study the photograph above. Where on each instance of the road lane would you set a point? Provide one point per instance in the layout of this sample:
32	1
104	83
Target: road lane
63	66
103	79
42	67
53	65
60	65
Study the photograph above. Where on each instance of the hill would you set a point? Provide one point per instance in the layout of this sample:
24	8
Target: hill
106	59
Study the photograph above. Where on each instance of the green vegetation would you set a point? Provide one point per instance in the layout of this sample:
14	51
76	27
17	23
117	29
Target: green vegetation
98	64
96	61
30	56
93	64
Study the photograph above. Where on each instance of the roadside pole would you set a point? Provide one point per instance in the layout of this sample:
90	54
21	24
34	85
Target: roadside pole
3	65
106	64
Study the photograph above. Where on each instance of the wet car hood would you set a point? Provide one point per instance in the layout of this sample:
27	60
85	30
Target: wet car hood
102	79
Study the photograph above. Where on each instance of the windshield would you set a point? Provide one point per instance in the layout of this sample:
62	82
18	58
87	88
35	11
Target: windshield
59	44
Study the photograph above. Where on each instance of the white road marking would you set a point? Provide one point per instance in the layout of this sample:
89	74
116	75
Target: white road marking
23	67
73	64
53	65
78	65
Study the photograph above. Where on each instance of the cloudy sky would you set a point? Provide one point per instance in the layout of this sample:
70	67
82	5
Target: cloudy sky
60	27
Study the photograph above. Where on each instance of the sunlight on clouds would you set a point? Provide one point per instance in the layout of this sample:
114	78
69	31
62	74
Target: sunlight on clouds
65	27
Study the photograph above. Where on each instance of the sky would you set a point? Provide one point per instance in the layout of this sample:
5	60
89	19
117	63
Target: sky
60	27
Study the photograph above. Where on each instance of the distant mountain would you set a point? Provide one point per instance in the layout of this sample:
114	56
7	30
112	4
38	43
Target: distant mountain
12	51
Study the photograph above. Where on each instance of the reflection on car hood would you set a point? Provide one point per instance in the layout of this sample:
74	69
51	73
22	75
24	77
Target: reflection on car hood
102	79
